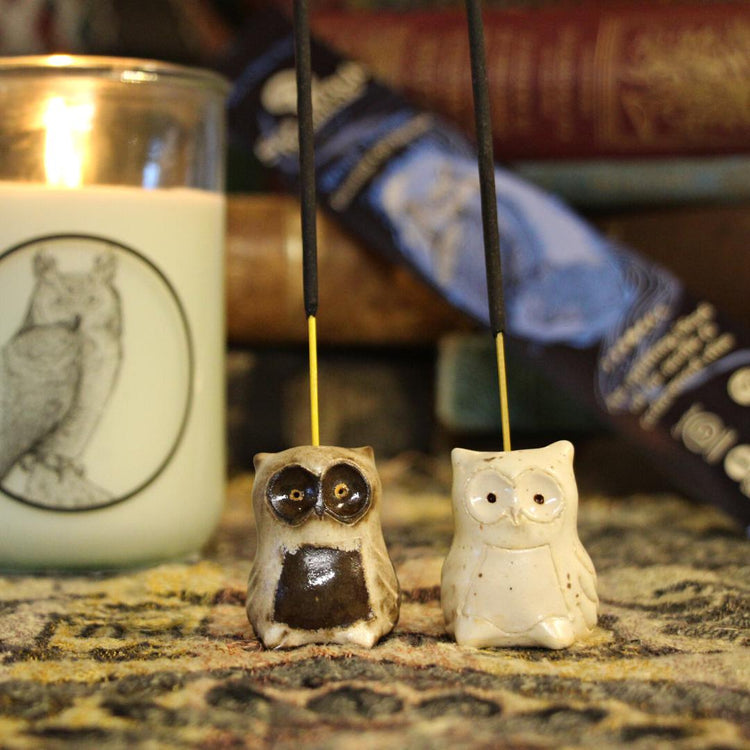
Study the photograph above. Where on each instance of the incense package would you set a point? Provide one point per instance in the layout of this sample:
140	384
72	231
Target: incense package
615	330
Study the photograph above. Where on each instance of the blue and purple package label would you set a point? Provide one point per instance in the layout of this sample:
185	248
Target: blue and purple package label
616	330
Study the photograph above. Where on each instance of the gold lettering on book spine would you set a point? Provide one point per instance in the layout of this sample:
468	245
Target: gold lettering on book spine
676	85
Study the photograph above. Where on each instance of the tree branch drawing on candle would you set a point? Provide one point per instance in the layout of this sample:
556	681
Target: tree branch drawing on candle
58	372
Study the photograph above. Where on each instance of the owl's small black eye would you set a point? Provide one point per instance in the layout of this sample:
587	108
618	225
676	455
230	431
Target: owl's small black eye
491	497
346	492
292	493
539	498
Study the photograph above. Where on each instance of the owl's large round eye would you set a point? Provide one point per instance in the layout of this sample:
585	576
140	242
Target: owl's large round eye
489	496
292	493
346	492
540	495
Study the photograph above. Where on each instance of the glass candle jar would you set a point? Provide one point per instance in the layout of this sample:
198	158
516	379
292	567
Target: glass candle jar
111	311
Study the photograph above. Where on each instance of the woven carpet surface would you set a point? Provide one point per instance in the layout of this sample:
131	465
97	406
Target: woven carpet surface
164	657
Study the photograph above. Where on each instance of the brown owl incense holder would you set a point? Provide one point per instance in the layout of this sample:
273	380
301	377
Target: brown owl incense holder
321	572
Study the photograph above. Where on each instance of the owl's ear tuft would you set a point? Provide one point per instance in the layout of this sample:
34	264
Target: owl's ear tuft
460	457
366	451
44	264
104	266
259	459
563	449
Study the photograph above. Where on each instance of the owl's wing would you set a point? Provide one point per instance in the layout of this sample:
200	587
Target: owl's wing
385	594
253	580
589	603
39	371
256	605
385	578
455	579
263	579
261	589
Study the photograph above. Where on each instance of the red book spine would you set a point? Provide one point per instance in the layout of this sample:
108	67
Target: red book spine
572	82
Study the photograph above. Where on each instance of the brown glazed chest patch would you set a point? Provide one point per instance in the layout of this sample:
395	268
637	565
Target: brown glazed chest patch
321	587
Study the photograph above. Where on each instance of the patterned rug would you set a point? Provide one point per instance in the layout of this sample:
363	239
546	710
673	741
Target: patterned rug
164	657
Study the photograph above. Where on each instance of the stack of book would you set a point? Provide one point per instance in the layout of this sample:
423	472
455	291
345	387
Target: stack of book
636	114
580	89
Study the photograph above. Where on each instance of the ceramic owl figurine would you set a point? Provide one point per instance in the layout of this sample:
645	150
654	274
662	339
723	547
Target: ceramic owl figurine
321	572
516	573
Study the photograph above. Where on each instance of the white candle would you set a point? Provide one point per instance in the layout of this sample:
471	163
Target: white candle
111	374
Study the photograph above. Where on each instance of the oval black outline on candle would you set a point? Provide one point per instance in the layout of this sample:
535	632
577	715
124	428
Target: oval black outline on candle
172	294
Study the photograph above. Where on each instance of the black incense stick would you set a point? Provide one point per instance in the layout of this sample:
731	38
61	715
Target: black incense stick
490	229
306	155
306	136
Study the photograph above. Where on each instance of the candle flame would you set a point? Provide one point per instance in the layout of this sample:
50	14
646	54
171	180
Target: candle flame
60	61
67	126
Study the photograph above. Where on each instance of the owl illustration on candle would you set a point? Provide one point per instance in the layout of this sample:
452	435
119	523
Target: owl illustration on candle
57	373
321	572
516	573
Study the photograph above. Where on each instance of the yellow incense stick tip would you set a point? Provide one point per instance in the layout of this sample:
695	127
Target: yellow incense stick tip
503	382
312	340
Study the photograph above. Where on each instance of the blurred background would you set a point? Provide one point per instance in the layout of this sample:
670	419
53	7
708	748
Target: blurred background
411	373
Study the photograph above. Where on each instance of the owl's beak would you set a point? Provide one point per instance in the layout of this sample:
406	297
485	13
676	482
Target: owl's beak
515	515
320	508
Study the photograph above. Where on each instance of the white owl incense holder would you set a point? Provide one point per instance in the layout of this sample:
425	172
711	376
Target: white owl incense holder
321	572
516	573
